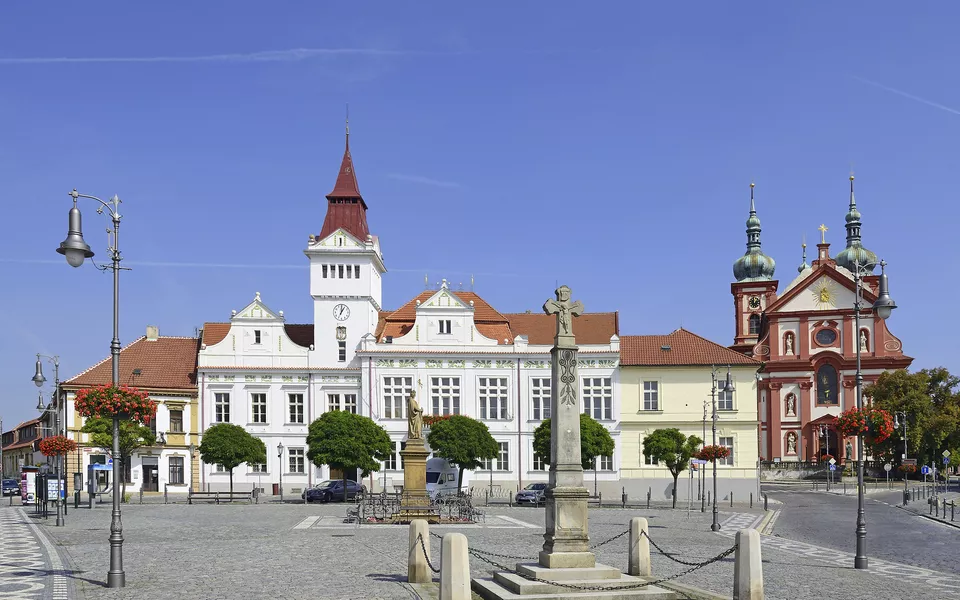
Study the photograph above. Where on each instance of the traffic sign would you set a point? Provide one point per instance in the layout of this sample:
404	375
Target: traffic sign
698	461
910	461
946	453
888	467
833	467
946	460
833	461
925	470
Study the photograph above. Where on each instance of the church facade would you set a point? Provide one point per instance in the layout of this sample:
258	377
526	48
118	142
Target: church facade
806	338
459	354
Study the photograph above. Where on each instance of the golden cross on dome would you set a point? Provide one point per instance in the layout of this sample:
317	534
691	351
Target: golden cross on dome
823	233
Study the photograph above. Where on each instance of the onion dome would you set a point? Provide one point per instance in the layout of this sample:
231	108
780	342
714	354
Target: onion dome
754	265
855	253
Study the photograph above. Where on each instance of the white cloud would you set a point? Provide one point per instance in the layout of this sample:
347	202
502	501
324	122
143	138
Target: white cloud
291	55
908	95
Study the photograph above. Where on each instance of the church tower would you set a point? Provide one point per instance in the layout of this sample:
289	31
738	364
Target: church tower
346	269
755	287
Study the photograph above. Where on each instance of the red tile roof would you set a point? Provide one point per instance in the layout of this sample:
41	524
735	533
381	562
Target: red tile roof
680	348
299	334
165	363
589	328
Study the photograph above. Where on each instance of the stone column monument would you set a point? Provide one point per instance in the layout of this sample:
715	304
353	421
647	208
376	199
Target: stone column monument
566	541
415	502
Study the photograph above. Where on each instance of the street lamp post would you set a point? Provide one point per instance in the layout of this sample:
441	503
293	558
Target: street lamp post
703	472
76	251
727	387
900	416
39	380
883	306
192	448
825	434
280	467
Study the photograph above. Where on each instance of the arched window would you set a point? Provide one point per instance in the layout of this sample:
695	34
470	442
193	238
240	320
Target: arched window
754	324
827	385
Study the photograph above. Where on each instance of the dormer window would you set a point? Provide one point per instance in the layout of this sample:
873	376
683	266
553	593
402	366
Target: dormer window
256	336
445	326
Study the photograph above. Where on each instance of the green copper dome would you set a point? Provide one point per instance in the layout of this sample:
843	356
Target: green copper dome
855	253
754	265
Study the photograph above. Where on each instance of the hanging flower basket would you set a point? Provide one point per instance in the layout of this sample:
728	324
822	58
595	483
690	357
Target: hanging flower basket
713	453
907	468
123	402
57	445
875	424
826	457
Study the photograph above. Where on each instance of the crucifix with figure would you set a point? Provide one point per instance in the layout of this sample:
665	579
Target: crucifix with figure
565	311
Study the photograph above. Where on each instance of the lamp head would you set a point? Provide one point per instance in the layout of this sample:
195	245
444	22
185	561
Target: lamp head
728	385
73	247
38	377
896	421
192	449
279	449
884	304
40	405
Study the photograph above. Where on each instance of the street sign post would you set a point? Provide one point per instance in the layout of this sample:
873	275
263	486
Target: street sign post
910	461
833	467
888	467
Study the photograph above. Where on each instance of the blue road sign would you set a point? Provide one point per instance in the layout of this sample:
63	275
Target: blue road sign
925	470
833	467
946	460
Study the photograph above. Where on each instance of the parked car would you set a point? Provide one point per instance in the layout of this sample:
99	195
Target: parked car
441	478
11	487
532	494
331	490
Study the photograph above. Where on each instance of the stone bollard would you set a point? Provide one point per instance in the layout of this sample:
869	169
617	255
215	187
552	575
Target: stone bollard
454	568
418	571
747	568
639	556
708	499
623	498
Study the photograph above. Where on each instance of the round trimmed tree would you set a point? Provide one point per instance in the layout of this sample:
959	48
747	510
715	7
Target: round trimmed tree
595	441
230	445
343	440
462	441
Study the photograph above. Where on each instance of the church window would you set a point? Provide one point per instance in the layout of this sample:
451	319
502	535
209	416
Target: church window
493	397
827	385
340	271
342	351
256	336
754	324
598	397
651	395
445	326
356	271
445	395
324	271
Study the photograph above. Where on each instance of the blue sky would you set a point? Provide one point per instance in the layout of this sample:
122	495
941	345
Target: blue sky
608	148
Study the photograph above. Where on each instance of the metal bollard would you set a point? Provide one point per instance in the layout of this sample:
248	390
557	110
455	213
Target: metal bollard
648	498
141	495
751	499
165	493
844	488
765	498
731	499
623	498
486	495
599	499
953	505
708	499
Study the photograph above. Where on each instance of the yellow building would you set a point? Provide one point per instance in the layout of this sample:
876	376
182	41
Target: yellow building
666	382
165	368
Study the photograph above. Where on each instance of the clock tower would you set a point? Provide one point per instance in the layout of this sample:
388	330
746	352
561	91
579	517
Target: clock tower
755	287
346	270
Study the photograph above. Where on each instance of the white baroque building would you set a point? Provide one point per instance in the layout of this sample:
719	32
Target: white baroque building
459	354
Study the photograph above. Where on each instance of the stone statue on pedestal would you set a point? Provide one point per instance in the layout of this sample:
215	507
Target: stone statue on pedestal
414	418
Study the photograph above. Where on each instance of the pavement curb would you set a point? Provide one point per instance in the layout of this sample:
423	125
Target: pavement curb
932	518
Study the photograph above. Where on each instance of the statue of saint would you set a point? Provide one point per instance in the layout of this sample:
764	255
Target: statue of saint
789	344
414	418
791	443
863	341
791	405
849	451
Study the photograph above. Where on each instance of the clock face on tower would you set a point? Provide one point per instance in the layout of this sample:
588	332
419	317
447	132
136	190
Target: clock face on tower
341	312
754	302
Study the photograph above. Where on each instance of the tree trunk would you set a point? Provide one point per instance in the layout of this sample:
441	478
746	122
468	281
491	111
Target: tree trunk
460	481
231	482
675	477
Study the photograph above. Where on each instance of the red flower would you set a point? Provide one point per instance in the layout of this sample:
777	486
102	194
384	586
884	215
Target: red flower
107	401
57	445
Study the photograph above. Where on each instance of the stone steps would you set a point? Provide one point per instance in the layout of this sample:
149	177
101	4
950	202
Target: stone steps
521	585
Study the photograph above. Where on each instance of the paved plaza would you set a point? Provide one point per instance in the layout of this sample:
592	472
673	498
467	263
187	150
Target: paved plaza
306	551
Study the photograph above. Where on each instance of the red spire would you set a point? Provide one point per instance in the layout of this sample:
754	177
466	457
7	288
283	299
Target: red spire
346	208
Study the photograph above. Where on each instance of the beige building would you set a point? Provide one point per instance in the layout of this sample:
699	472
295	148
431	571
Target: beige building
666	382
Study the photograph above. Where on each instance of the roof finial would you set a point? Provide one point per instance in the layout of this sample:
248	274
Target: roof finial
348	120
823	233
471	282
753	208
426	282
803	265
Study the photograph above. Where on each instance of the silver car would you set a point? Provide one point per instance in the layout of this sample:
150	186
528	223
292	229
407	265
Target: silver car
532	494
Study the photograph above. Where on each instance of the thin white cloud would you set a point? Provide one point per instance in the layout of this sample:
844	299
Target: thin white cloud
423	180
908	95
291	55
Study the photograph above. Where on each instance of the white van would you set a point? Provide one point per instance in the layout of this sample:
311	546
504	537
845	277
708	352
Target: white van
441	478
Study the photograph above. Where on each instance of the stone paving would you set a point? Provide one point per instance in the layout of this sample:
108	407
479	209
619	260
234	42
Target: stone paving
30	566
304	551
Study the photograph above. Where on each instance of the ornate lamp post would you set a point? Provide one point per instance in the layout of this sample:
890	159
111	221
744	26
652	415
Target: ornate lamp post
883	306
898	418
58	424
76	251
192	449
727	387
280	467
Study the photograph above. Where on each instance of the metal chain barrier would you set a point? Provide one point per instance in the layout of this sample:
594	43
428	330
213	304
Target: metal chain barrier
423	548
720	556
616	537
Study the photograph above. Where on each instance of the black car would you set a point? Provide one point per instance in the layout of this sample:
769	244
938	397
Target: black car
11	487
332	491
532	494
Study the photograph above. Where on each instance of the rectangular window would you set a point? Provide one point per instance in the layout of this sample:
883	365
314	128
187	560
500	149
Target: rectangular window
221	407
445	326
391	463
653	462
493	397
342	351
176	421
218	468
349	272
296	460
539	463
296	408
501	462
340	271
176	470
356	271
350	403
324	271
256	336
445	394
395	393
258	404
333	402
540	393
606	463
651	395
727	442
598	397
724	400
258	468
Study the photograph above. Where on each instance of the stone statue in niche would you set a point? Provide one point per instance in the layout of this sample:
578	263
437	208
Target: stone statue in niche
791	443
863	341
791	405
849	451
788	342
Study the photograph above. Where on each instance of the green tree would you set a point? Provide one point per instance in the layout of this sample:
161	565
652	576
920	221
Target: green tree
595	441
462	441
672	448
230	445
343	440
133	436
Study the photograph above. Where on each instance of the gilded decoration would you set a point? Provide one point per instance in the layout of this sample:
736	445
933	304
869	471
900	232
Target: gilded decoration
434	364
482	364
504	364
385	362
457	364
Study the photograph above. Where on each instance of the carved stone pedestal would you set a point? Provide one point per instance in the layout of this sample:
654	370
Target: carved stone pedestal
415	501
